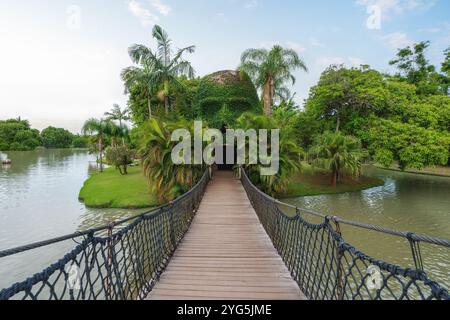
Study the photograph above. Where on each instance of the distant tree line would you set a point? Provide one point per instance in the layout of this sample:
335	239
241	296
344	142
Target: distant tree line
17	135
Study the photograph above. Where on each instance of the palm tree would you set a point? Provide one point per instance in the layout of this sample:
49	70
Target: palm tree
141	75
101	129
118	132
290	153
167	180
336	152
271	70
118	114
162	66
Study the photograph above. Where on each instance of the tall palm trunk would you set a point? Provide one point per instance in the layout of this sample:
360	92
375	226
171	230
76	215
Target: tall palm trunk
334	178
268	93
166	104
338	123
266	99
166	96
123	139
100	151
149	102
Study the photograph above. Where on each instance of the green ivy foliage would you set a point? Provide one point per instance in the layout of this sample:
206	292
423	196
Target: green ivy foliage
223	96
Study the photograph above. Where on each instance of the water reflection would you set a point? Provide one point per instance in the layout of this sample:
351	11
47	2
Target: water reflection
39	200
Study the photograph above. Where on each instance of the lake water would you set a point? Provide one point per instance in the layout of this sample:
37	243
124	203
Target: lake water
39	200
407	202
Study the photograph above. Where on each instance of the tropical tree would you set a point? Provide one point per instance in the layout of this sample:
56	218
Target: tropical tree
271	70
414	67
54	138
17	135
342	94
139	76
445	68
409	145
118	114
118	132
337	152
166	179
121	157
101	129
162	67
290	153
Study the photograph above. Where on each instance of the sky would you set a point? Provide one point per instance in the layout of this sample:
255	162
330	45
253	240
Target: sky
60	61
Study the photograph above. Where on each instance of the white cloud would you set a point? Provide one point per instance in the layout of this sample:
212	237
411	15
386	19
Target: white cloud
324	62
251	4
397	40
145	16
161	7
382	10
296	46
389	7
356	62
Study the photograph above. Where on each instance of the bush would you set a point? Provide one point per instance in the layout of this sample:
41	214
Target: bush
80	141
120	157
16	135
56	138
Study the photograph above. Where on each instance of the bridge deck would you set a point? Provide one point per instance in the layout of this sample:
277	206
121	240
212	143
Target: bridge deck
226	254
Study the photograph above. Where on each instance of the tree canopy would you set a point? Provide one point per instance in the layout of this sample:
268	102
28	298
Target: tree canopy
17	135
403	118
56	138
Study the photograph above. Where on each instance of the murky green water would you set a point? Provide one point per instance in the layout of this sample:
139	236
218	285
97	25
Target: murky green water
39	200
407	202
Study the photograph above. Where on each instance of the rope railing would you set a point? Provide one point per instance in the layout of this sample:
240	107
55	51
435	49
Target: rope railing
119	261
326	267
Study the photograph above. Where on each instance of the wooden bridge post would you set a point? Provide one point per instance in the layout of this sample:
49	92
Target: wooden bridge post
339	273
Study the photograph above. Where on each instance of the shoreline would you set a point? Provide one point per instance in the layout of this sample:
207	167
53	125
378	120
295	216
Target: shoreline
413	171
316	182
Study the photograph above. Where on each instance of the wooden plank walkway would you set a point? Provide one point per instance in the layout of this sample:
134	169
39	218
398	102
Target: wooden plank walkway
226	254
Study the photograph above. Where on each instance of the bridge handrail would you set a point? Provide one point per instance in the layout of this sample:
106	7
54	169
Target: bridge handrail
123	264
78	234
326	267
404	234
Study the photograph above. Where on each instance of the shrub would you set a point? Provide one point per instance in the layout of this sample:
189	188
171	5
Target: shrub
56	138
120	157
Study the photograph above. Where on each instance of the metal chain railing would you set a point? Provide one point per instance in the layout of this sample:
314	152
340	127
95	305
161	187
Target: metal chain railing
121	261
326	267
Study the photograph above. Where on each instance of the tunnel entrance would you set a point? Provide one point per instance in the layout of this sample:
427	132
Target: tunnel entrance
227	149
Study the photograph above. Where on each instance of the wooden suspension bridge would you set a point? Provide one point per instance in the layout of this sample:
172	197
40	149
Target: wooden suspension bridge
226	253
225	240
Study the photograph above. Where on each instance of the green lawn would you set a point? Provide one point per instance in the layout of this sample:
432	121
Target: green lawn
311	182
112	190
